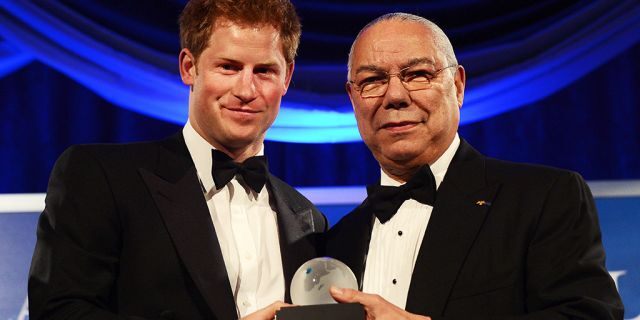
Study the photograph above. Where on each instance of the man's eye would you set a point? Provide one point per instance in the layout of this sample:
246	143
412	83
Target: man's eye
263	70
228	67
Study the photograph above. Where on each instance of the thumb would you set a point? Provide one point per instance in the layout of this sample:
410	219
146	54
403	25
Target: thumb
344	295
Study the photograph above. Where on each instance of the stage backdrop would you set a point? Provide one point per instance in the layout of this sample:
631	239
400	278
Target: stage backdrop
553	82
618	204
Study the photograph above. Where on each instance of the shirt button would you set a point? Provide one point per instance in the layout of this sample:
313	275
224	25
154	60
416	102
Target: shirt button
400	233
245	303
394	281
248	257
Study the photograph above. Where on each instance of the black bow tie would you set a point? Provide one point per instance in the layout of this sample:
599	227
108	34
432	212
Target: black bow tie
385	201
253	170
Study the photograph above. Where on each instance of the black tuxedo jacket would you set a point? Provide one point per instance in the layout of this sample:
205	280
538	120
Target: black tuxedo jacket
504	241
126	233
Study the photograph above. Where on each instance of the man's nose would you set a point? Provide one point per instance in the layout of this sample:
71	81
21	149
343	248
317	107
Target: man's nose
397	96
245	87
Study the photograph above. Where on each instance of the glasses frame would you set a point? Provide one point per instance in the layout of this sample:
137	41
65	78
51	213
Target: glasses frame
401	78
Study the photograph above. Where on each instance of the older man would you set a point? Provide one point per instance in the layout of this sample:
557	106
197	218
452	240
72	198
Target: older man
449	233
193	226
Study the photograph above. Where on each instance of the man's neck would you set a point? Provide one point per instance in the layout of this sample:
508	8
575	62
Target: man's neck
403	171
241	154
400	174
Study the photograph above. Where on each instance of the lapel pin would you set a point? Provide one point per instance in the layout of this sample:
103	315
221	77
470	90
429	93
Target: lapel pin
483	203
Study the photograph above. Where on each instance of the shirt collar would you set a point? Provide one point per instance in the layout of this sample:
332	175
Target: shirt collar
200	151
439	168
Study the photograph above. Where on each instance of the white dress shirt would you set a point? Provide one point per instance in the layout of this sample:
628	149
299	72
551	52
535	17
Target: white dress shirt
394	246
247	231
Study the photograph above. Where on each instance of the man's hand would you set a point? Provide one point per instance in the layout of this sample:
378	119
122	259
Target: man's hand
268	312
375	306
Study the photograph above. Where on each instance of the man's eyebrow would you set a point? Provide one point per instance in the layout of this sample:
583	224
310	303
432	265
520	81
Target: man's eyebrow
369	67
228	60
416	61
266	64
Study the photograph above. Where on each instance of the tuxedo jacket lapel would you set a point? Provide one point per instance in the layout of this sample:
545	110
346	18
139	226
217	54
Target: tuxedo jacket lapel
358	247
348	240
176	190
463	201
295	224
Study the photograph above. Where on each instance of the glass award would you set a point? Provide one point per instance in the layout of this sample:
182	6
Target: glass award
310	292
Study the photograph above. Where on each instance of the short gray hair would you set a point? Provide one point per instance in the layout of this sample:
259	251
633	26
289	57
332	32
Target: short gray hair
440	38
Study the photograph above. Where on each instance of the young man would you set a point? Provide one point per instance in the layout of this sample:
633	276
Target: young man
497	240
193	226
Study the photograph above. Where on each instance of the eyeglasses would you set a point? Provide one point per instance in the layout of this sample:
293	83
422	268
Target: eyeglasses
413	78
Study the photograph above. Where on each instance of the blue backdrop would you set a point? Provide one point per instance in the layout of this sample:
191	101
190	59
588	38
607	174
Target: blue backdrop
552	82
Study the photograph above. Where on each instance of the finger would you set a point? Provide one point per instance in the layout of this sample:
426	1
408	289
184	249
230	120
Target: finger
338	294
346	295
275	307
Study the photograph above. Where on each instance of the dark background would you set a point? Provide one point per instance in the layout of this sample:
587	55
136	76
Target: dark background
591	126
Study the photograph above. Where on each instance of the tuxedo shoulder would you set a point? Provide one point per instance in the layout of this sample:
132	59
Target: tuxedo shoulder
293	195
353	219
121	153
105	150
516	172
297	201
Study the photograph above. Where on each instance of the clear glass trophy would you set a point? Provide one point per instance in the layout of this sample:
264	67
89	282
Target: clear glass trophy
310	292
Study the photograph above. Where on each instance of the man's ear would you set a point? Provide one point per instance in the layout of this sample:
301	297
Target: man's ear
460	82
187	66
288	76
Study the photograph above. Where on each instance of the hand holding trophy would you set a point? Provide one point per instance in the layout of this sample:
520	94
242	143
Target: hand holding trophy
310	292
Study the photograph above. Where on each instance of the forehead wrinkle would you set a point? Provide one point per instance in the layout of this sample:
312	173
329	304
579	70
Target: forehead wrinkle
369	67
416	61
411	63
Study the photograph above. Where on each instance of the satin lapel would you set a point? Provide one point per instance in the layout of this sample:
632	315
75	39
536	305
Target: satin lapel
352	247
295	222
177	193
455	221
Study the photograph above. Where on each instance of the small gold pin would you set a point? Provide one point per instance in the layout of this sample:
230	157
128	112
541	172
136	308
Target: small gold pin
483	203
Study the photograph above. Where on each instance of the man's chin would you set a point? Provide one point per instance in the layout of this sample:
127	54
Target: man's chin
400	150
242	140
399	156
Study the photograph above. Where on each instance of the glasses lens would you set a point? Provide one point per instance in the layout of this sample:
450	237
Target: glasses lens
413	78
416	84
373	90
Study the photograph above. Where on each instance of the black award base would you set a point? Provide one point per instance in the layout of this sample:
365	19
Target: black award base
339	311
